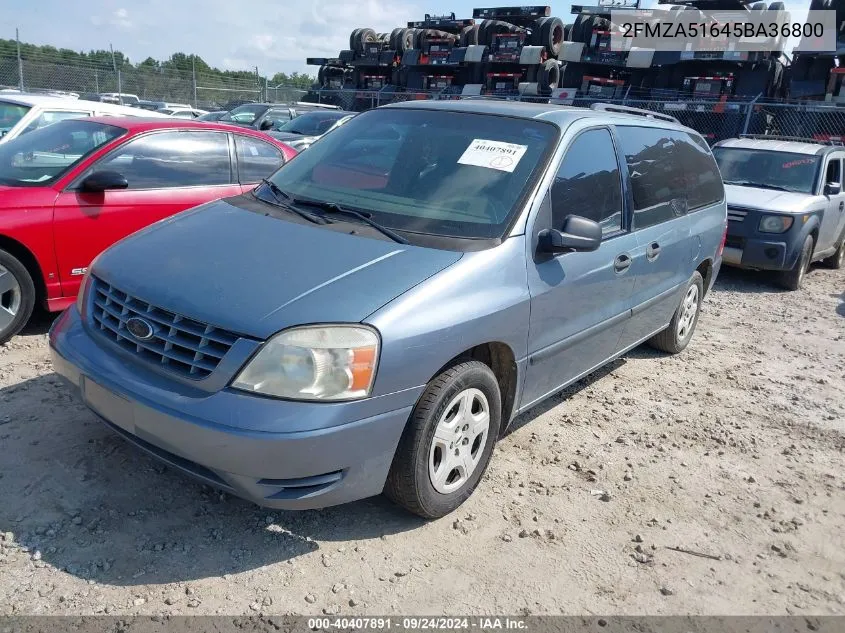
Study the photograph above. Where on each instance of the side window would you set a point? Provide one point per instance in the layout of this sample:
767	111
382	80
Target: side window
834	171
256	159
172	159
671	174
702	173
49	117
588	182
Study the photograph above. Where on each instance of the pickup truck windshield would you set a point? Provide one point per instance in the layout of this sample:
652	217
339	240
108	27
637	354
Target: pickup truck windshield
10	114
450	174
41	156
311	123
768	169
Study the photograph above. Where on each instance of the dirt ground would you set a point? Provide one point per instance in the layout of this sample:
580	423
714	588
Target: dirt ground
732	451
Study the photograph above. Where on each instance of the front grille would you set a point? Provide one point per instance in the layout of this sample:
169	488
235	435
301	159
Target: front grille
178	344
736	214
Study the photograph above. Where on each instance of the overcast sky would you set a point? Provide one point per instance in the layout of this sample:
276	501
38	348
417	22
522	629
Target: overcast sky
275	35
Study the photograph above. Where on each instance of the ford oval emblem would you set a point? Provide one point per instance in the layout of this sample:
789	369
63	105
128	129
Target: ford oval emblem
140	329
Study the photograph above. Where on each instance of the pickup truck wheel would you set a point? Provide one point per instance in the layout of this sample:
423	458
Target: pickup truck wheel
17	296
448	442
675	338
792	279
837	260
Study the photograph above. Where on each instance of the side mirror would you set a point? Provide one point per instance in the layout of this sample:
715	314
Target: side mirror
103	181
578	234
266	124
832	189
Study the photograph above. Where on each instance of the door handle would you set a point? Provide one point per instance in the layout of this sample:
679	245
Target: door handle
653	252
622	263
842	206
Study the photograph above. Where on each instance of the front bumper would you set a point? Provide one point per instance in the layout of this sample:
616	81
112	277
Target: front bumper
340	452
747	247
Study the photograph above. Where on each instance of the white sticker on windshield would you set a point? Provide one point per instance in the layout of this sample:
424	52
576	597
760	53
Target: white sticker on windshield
493	155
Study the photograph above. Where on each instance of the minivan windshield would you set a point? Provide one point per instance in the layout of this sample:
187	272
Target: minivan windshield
450	174
10	114
44	155
767	169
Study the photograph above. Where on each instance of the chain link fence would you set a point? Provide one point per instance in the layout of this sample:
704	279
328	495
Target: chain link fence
716	120
206	91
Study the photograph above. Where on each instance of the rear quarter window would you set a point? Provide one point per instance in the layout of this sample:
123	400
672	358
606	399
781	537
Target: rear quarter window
671	172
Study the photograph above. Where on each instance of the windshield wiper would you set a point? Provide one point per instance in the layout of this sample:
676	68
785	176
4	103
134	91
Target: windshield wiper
759	185
285	201
366	218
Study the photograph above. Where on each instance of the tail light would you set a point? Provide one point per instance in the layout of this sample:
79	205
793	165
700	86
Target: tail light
724	241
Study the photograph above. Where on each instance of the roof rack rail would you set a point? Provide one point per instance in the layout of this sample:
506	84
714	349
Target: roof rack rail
796	139
610	107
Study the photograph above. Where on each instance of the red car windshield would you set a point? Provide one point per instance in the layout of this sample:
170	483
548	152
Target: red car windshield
42	156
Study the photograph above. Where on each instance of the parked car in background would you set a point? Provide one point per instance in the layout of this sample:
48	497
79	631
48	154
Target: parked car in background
375	316
786	205
154	106
303	130
183	113
70	190
20	114
268	116
121	98
212	116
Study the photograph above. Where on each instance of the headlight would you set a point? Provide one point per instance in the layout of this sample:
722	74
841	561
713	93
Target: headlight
331	362
775	223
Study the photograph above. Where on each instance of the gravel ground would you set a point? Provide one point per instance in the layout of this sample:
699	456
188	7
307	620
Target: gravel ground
732	451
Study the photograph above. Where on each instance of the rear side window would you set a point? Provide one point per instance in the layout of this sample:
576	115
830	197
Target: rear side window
588	182
671	173
172	159
256	159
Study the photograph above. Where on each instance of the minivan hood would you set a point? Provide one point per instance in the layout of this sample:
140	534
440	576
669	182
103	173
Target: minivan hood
256	275
768	199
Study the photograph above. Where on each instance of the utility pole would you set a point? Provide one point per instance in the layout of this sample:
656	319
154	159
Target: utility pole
114	65
194	74
20	61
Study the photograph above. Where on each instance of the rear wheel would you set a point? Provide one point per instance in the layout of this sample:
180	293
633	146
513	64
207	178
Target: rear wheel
17	296
447	444
793	278
678	335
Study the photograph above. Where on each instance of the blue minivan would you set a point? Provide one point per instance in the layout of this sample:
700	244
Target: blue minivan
372	317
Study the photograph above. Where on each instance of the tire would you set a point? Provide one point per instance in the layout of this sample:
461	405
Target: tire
675	338
17	296
793	279
420	459
394	35
837	260
353	39
405	40
537	31
549	76
365	36
567	32
552	35
469	36
321	76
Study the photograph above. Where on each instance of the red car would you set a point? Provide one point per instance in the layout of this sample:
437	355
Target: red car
72	189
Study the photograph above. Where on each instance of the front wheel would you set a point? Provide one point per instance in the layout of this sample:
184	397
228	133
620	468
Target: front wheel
837	260
447	444
793	278
17	296
678	335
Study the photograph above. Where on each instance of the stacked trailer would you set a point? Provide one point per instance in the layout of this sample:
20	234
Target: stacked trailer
523	48
592	68
443	57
